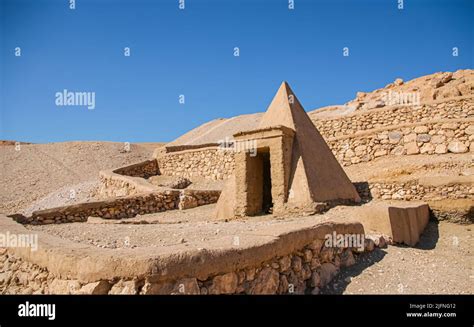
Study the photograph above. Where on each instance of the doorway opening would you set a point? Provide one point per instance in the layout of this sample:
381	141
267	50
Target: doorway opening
267	201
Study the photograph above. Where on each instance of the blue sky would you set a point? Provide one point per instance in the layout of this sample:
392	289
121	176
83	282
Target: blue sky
191	52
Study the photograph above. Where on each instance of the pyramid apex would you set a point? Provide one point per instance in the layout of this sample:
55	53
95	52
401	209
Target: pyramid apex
285	85
281	109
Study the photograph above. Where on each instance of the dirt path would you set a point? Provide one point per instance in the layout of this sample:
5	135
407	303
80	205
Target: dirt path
442	263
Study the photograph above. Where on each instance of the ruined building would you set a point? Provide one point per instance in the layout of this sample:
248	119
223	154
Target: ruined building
289	168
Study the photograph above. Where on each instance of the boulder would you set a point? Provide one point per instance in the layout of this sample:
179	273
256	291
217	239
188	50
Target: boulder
402	221
97	288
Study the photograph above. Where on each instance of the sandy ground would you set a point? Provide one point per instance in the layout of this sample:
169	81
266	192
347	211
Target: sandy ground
45	175
441	263
193	227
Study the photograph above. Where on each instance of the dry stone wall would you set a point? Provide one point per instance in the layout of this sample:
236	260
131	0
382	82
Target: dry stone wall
360	121
211	163
117	208
303	272
433	128
454	136
414	191
143	169
122	207
115	185
128	180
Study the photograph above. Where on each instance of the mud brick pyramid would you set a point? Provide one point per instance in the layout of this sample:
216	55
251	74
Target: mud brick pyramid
303	170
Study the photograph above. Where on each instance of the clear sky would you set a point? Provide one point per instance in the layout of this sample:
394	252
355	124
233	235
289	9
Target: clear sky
191	52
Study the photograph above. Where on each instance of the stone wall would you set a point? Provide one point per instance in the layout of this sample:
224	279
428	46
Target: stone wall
459	215
302	272
143	169
414	191
122	207
454	136
451	202
117	208
113	185
194	198
348	125
211	162
433	128
128	180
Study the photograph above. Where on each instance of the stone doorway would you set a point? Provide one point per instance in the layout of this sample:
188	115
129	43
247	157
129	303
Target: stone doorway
259	182
267	201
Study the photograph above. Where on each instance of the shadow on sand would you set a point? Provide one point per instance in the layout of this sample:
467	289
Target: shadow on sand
338	285
365	260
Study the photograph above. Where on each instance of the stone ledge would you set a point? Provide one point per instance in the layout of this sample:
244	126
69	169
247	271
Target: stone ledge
393	107
375	131
69	260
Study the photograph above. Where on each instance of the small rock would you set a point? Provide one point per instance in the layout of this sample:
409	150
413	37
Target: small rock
266	282
296	263
457	147
423	138
421	129
412	148
315	279
224	284
398	81
327	273
285	264
441	149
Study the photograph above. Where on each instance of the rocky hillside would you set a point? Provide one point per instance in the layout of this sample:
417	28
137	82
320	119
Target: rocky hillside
420	90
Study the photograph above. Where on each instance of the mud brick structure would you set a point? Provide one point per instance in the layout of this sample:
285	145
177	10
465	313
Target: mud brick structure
289	167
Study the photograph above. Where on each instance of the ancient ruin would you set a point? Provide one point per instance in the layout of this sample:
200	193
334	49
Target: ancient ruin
289	167
245	205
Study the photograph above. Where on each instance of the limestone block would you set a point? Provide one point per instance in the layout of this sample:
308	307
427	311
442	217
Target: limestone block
402	221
